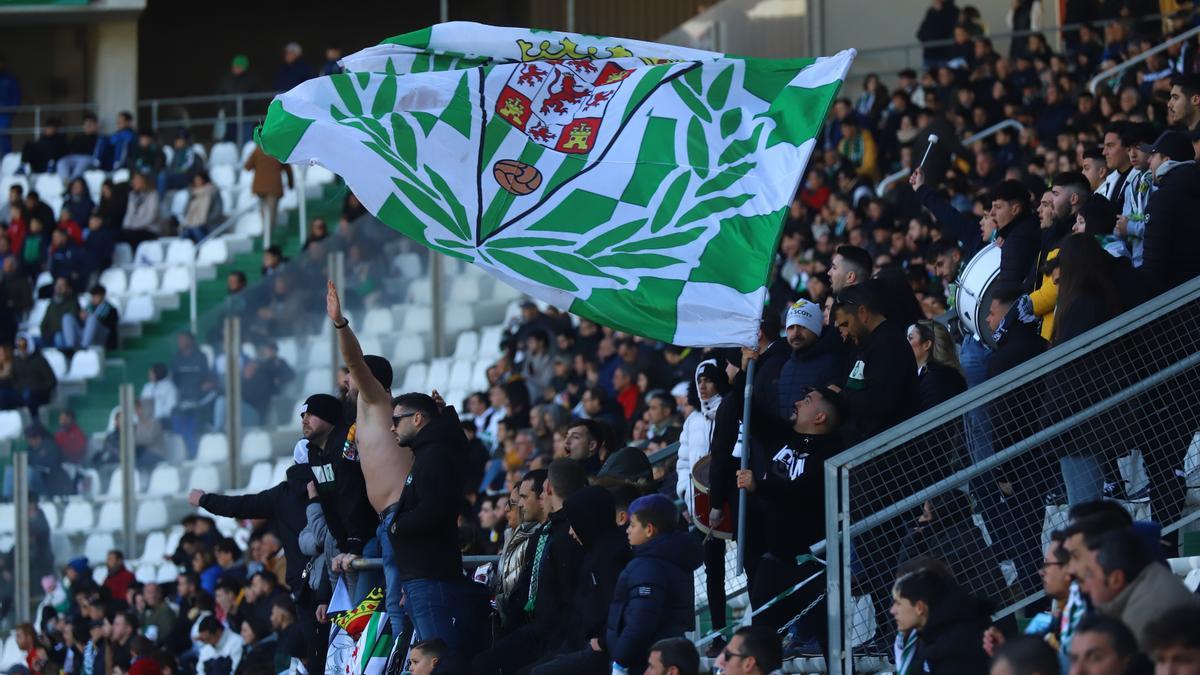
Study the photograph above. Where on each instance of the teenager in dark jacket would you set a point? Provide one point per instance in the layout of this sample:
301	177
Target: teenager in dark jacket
946	532
654	597
1016	341
948	622
605	553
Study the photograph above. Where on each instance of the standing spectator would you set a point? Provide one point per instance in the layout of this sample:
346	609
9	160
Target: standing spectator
881	388
938	25
193	382
1023	16
237	82
268	183
70	438
161	391
1169	256
204	209
1183	107
141	221
939	375
624	382
333	57
293	70
663	560
185	163
80	151
42	153
1116	159
10	97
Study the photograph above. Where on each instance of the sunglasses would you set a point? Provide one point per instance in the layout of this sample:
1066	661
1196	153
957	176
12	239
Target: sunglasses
732	655
396	418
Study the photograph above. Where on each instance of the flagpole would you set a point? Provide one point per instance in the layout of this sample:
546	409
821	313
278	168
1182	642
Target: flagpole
745	440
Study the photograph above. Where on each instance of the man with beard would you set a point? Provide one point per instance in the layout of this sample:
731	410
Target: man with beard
1067	193
371	443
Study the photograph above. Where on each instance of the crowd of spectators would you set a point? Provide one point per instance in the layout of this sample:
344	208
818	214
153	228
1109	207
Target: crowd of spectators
1091	204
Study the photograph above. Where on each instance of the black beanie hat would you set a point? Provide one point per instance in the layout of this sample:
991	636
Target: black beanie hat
324	406
381	369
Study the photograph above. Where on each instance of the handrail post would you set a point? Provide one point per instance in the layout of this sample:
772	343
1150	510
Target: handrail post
128	470
192	293
37	121
233	395
154	115
21	506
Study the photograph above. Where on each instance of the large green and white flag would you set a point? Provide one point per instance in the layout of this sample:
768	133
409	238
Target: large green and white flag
640	185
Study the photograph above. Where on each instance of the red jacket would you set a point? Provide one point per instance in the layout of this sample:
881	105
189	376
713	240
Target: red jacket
144	665
73	443
629	398
118	582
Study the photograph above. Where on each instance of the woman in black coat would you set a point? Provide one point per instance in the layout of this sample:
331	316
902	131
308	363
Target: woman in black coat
940	375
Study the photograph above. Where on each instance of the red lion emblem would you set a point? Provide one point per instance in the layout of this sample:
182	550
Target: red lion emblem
541	133
583	65
598	98
566	94
531	74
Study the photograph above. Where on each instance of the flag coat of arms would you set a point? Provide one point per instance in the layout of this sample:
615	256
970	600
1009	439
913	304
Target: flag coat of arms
640	185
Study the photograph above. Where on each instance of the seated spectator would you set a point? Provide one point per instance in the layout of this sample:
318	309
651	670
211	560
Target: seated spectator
157	616
42	153
290	641
78	204
33	381
258	648
1104	646
18	290
1172	640
67	260
184	165
204	209
1123	583
99	242
948	623
946	532
35	245
141	222
112	152
1025	656
221	649
162	392
80	150
95	326
119	577
114	199
228	555
70	438
264	377
146	157
428	657
751	651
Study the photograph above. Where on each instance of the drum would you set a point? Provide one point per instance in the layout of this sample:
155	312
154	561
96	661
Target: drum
701	507
973	298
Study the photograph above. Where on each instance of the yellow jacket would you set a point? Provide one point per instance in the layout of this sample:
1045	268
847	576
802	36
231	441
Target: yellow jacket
1045	298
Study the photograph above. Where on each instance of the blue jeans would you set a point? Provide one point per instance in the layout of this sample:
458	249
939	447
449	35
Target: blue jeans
443	609
368	579
1084	478
74	336
391	576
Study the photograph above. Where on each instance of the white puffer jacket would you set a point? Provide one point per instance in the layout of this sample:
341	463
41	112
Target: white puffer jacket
694	441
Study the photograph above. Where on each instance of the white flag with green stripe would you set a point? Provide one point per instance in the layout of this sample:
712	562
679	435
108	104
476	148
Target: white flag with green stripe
640	185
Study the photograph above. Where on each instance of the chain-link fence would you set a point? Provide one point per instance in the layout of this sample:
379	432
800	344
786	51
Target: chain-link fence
980	481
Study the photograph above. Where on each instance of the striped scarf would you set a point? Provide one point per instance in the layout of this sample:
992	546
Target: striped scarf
543	537
904	650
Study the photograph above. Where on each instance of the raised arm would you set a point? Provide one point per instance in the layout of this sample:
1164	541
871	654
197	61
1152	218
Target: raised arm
370	391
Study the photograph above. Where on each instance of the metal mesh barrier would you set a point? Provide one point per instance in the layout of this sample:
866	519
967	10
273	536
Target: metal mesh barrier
980	481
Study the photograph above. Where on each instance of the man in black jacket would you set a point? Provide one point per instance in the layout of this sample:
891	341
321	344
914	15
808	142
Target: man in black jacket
1172	242
881	388
424	529
283	506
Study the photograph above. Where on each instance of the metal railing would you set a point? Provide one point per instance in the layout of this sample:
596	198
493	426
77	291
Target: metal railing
1119	69
1080	414
969	140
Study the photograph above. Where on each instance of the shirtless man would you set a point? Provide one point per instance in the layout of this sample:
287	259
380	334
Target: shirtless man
385	465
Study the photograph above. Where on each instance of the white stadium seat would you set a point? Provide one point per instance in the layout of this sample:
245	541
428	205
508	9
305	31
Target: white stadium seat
250	224
164	481
460	376
96	548
8	517
110	518
224	155
176	280
9	165
85	365
318	380
213	449
143	281
114	280
489	341
439	374
213	252
155	546
416	377
256	447
49	185
206	478
151	515
150	252
167	573
467	345
77	517
181	252
58	362
260	478
10	424
95	180
409	349
179	202
378	322
122	175
418	319
122	255
139	309
408	265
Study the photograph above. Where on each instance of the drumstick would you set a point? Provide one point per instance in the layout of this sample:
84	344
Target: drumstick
932	139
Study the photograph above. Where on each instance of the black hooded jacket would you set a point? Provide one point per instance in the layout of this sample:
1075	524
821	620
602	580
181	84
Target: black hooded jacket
950	643
1016	343
283	506
341	488
425	527
605	553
